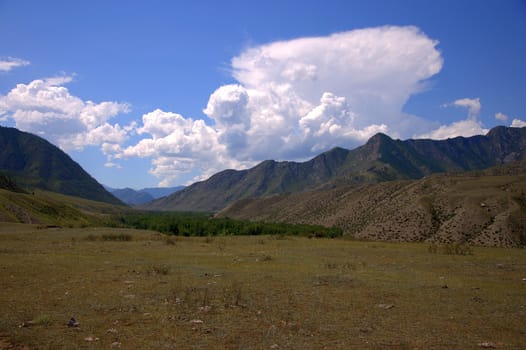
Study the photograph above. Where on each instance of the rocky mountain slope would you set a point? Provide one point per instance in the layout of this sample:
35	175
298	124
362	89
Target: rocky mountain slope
34	163
482	208
380	159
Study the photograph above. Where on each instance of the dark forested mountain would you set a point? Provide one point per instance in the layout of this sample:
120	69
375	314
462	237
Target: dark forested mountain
34	163
380	159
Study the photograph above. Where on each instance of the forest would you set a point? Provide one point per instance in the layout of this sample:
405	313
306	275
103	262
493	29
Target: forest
205	224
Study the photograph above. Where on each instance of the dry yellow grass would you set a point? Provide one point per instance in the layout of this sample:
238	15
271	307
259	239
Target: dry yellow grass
159	292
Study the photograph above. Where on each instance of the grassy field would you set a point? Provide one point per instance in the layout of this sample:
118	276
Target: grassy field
132	289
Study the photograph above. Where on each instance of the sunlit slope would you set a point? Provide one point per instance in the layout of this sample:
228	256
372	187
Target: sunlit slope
48	208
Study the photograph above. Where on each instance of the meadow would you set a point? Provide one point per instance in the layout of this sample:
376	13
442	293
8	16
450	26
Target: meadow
139	289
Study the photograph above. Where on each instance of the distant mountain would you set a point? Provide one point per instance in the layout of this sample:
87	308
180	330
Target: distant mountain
380	159
132	197
487	207
158	192
137	197
34	163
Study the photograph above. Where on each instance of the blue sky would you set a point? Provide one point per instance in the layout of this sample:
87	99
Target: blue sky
147	93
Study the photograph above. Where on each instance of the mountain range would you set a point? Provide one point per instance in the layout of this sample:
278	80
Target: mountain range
381	159
34	163
465	189
142	196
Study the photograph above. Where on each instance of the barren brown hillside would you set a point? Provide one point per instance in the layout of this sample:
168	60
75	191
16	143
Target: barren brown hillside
484	208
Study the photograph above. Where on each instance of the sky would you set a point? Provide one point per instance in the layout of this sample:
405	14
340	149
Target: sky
165	93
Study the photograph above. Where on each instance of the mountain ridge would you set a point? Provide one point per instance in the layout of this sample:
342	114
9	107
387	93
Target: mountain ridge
380	159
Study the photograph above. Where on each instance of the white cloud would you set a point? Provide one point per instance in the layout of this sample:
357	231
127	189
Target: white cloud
6	64
472	104
295	99
47	108
466	128
517	123
292	100
331	123
112	165
469	127
501	116
375	69
178	146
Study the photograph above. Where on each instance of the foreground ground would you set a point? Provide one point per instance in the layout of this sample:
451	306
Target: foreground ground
142	290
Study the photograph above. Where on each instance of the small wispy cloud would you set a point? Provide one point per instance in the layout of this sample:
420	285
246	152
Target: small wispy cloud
472	104
469	127
9	63
501	116
112	165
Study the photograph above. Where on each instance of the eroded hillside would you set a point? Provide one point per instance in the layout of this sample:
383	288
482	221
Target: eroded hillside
485	208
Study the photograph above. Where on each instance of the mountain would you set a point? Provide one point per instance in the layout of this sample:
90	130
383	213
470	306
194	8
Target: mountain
158	192
380	159
482	208
132	197
35	163
137	197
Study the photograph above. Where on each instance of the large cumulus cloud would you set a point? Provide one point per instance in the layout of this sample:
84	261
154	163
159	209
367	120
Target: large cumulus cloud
296	98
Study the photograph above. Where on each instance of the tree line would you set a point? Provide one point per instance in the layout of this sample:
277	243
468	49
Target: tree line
204	224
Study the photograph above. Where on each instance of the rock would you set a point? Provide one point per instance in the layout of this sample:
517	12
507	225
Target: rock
196	321
385	306
205	309
91	339
487	345
73	322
